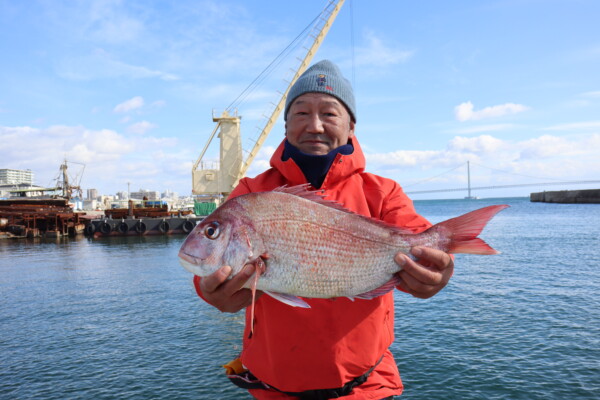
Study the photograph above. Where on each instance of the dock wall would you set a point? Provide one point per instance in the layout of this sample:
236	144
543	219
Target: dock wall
589	196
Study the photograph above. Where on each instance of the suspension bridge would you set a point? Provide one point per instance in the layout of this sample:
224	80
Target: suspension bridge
469	189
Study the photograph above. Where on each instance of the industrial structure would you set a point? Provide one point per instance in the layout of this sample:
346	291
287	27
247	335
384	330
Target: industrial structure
214	181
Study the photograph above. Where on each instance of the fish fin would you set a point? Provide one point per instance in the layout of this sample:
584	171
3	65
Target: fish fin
381	290
462	231
259	268
288	299
318	196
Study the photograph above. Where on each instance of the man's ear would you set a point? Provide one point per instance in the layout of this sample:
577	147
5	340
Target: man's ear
351	129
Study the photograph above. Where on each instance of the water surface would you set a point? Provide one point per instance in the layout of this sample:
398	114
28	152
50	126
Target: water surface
118	317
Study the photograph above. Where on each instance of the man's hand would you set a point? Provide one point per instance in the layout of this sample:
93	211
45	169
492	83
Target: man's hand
228	295
427	275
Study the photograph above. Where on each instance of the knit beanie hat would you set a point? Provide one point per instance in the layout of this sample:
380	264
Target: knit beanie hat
323	77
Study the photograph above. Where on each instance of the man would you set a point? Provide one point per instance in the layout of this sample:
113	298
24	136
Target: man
338	347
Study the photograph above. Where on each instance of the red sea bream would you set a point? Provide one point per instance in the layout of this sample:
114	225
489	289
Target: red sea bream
305	246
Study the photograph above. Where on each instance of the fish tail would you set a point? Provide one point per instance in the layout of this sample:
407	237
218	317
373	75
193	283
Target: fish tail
463	231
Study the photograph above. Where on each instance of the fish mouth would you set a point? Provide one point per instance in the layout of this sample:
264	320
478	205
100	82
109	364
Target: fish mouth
190	263
189	258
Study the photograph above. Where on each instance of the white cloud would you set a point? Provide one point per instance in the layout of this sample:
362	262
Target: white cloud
158	104
574	126
482	128
376	53
110	158
129	105
466	111
109	22
548	146
568	158
482	145
140	128
591	94
102	65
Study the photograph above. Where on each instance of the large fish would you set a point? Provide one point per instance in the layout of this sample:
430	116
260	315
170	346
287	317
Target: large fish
305	246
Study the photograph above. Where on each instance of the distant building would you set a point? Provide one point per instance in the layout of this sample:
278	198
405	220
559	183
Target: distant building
16	176
91	204
92	194
167	194
148	194
122	196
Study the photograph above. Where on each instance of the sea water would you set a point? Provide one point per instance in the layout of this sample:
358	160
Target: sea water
118	318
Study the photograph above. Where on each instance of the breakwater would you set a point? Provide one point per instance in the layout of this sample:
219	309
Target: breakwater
589	196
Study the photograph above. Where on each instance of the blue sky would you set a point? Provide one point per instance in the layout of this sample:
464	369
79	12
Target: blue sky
128	88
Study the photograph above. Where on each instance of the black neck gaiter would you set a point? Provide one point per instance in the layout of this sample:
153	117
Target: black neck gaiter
314	167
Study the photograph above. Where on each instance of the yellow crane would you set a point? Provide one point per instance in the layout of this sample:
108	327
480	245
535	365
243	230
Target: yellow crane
216	181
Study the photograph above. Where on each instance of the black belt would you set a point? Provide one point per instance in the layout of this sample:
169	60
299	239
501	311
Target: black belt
247	380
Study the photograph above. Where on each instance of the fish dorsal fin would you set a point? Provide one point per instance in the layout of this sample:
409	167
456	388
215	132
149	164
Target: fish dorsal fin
318	197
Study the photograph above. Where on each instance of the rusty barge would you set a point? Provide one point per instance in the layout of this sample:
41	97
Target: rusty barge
54	218
45	217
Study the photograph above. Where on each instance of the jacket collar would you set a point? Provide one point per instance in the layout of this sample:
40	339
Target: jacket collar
343	166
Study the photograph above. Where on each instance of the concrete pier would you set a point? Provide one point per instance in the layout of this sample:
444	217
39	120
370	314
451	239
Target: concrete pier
589	196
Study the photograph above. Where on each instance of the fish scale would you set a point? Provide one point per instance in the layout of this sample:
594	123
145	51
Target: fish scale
317	243
313	247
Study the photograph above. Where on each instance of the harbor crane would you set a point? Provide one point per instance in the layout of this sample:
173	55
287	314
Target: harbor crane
215	182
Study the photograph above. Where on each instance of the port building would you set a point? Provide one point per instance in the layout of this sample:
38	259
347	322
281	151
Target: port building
16	176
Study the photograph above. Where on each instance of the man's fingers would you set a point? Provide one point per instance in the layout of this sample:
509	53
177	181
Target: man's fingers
210	283
431	257
238	281
415	287
218	280
420	273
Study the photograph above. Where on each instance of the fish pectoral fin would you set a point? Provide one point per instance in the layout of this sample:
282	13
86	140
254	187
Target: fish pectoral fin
381	290
289	299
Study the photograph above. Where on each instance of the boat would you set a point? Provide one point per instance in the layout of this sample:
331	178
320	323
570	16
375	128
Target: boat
147	218
42	212
40	217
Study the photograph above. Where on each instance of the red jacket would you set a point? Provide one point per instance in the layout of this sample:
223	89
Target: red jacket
325	346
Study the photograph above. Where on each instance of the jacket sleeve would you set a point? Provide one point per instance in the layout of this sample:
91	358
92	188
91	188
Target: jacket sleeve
399	210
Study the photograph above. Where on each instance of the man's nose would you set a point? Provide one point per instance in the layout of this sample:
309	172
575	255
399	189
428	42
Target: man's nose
315	125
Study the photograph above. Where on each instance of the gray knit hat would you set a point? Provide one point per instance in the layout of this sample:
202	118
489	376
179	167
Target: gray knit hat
323	77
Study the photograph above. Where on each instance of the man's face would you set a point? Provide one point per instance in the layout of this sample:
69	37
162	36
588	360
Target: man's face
318	123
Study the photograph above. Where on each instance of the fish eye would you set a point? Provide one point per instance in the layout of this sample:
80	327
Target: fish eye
212	230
